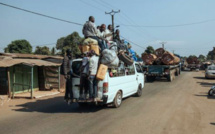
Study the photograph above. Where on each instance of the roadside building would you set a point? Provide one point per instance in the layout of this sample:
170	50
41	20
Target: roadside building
28	73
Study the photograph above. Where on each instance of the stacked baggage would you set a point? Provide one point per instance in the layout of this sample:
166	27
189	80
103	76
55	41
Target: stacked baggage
109	58
90	44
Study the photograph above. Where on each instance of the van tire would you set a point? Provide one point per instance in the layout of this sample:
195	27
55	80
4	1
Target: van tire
117	100
139	91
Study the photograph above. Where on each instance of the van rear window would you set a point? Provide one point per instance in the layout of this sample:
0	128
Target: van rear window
76	65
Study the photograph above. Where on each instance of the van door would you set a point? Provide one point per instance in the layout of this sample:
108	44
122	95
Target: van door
130	80
76	64
139	75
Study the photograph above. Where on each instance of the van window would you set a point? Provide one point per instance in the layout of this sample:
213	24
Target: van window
116	72
76	67
130	70
138	68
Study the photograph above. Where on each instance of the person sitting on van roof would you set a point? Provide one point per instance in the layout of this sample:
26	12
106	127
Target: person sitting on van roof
90	31
101	35
89	28
109	34
93	66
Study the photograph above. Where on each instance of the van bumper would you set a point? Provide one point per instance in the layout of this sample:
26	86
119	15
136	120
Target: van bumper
104	98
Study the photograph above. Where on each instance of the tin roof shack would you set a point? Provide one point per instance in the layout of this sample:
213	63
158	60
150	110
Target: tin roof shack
24	74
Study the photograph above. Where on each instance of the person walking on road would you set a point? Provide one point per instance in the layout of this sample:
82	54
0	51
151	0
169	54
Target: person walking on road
93	66
67	75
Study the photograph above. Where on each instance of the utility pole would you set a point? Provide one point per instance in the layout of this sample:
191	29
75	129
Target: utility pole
163	44
112	13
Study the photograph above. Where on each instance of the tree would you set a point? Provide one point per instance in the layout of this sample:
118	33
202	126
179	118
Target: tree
150	49
192	56
210	55
201	57
60	42
53	51
19	46
42	50
70	42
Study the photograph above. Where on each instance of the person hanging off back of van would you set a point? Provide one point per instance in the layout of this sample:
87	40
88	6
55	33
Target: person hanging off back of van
66	71
90	31
93	66
84	82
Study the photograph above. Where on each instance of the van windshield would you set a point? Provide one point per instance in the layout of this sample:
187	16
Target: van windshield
76	65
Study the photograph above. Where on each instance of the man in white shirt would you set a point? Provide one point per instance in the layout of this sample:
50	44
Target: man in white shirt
93	66
108	34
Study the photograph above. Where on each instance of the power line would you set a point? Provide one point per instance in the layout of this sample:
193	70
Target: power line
75	23
55	17
103	11
129	20
176	25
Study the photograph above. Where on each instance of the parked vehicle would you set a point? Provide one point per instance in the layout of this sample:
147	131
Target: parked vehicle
167	71
125	81
211	92
210	72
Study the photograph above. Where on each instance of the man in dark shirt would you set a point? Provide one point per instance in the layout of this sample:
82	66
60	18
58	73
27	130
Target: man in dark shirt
67	75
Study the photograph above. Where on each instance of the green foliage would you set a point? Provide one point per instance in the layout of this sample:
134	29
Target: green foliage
19	46
211	55
53	51
201	58
192	56
42	50
150	49
70	42
60	43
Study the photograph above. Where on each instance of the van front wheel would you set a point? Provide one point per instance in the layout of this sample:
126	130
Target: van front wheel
139	91
117	100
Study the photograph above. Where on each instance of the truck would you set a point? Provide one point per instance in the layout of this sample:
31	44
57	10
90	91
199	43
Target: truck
167	71
193	63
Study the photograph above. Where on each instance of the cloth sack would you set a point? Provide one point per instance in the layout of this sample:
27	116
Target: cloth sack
109	58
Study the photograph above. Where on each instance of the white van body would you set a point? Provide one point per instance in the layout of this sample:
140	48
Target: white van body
127	84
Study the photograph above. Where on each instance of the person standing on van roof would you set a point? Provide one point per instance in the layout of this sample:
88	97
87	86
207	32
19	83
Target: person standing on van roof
90	31
84	77
93	66
67	75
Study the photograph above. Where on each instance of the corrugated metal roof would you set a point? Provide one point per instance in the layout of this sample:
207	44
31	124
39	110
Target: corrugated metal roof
30	56
8	62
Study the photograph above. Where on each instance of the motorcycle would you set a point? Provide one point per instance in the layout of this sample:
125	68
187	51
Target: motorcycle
211	92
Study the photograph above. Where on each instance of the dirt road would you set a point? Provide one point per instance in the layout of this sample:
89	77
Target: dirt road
179	107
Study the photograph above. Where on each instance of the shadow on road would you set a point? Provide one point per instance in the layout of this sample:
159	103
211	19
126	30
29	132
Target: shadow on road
206	84
201	78
158	79
212	123
56	105
205	95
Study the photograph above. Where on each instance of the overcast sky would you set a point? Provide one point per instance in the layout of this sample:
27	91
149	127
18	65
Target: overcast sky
184	40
